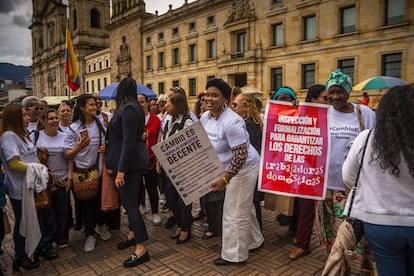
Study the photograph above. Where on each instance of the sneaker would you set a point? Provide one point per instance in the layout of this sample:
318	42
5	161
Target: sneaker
162	199
90	244
156	219
142	209
65	245
103	232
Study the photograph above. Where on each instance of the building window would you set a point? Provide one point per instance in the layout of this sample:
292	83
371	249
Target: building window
95	19
107	63
176	56
211	20
191	27
87	86
241	42
148	40
175	32
75	19
89	68
276	75
308	75
100	65
99	84
160	37
391	65
274	2
277	34
160	88
211	48
309	27
210	77
161	63
394	11
94	67
347	66
348	20
175	83
192	55
105	82
149	62
192	85
93	86
149	85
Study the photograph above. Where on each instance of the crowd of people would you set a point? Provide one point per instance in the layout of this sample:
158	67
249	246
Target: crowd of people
61	152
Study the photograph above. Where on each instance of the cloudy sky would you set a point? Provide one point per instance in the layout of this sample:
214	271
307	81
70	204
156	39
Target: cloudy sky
15	18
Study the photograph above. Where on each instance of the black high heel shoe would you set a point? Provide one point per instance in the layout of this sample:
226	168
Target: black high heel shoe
184	240
25	263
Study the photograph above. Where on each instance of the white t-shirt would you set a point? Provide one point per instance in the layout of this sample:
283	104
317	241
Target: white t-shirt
57	162
100	117
86	158
381	197
343	128
227	132
11	145
32	126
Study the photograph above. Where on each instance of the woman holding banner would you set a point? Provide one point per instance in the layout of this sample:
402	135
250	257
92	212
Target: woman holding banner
228	135
177	107
347	120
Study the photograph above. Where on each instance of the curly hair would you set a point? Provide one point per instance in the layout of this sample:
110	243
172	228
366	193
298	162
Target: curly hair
394	130
252	110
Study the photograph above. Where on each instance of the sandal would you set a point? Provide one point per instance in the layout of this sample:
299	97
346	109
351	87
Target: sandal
298	253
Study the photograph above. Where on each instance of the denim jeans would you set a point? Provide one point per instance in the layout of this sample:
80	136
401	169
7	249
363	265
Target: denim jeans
393	248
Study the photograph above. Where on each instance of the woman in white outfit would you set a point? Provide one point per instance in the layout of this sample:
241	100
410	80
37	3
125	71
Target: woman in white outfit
229	137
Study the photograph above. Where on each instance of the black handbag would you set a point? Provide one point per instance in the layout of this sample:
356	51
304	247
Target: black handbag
357	224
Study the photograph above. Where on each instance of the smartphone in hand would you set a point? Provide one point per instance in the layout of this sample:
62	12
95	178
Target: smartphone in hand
84	133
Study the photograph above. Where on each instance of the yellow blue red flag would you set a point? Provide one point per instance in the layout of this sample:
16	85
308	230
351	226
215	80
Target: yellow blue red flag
71	68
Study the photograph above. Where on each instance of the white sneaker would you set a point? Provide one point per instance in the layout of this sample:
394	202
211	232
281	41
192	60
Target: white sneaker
162	199
156	219
90	243
103	232
142	209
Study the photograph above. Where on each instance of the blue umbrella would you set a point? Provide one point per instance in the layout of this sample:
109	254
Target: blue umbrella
109	92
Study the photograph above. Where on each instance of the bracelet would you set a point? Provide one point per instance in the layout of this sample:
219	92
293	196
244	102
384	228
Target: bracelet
225	180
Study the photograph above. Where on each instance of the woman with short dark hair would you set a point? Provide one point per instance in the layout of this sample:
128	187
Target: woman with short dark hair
229	137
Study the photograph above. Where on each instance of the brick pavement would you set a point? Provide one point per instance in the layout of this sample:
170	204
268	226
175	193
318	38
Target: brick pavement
192	258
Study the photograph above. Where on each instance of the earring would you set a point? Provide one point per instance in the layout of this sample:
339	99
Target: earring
224	106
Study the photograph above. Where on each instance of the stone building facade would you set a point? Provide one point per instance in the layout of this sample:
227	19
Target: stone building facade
98	71
87	21
264	44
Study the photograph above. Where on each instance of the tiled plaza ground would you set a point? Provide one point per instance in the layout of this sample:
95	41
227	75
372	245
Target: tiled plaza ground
192	258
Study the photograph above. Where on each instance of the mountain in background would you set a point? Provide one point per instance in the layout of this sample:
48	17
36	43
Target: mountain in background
16	73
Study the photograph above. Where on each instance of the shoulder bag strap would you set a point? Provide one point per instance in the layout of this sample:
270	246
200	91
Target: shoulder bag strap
359	172
360	118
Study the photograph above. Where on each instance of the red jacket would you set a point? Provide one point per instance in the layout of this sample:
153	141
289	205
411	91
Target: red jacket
152	128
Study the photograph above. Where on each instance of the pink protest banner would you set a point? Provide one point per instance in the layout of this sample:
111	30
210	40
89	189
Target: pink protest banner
295	149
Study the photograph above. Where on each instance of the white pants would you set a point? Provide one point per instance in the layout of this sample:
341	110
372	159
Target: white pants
241	230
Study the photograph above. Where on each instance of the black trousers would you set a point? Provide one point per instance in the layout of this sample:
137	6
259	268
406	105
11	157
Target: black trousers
130	194
215	215
151	184
182	213
88	213
2	231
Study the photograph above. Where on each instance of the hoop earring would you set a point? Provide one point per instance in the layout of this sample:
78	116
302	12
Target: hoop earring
224	106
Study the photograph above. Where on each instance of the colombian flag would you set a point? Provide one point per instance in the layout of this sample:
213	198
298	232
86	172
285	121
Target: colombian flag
71	68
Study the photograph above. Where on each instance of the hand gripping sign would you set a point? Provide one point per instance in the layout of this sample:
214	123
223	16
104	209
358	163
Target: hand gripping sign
295	150
190	162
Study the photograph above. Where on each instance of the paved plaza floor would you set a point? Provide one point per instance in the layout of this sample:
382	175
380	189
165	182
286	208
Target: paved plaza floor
195	257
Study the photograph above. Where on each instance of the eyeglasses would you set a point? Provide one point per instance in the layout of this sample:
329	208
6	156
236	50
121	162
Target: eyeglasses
37	108
234	104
